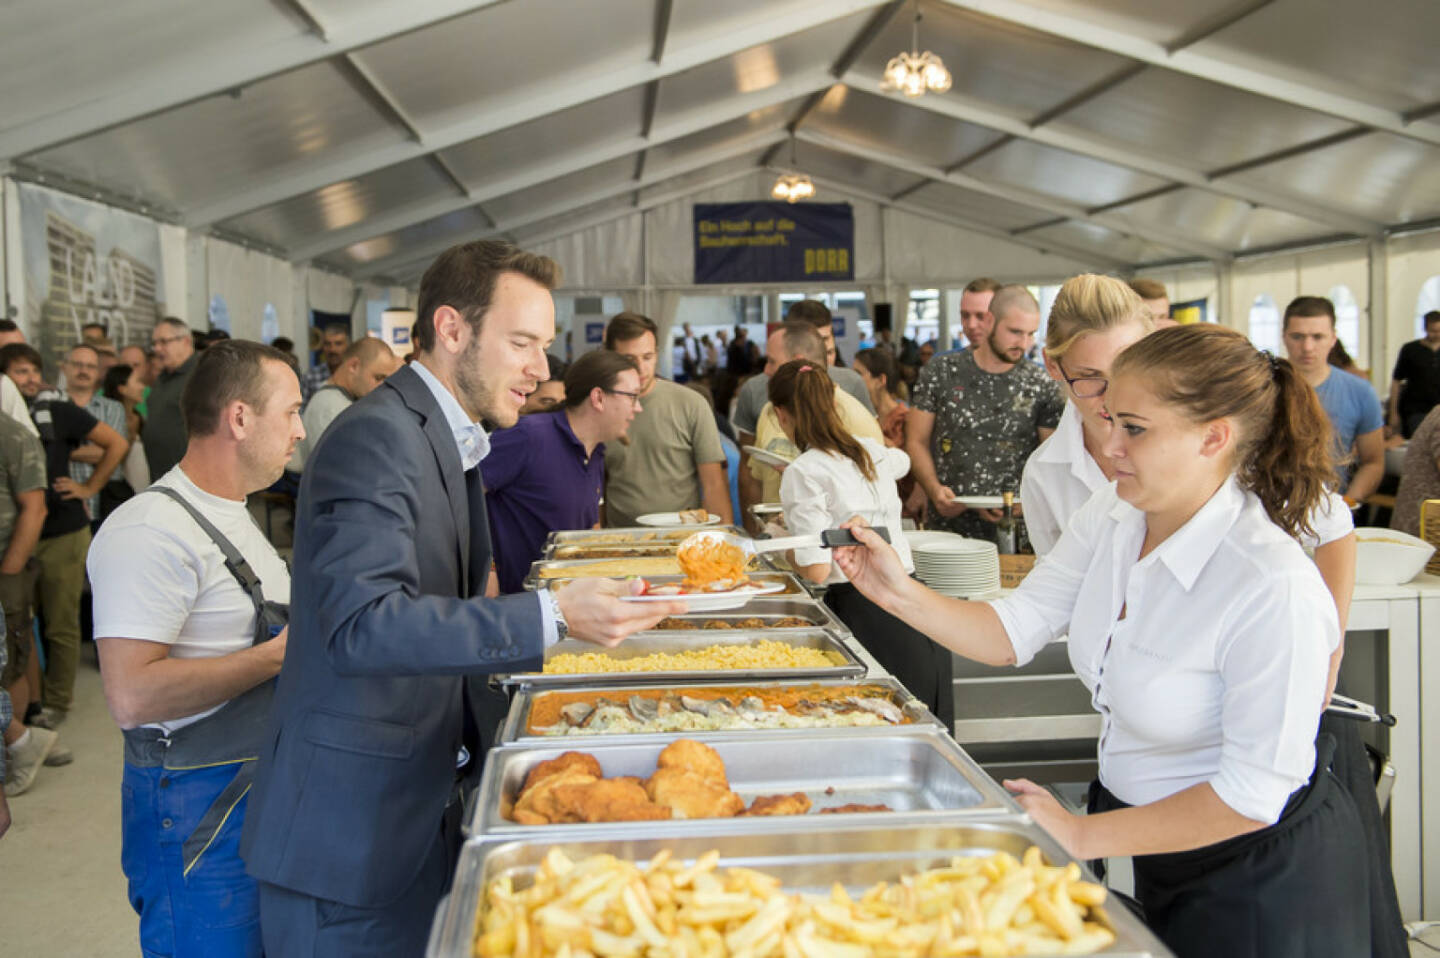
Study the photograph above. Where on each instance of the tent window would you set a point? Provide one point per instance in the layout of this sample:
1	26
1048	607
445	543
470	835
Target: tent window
1347	319
269	324
1265	323
1429	300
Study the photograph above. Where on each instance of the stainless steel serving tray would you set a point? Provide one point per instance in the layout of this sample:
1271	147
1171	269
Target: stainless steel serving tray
644	643
568	570
517	721
772	607
630	534
915	770
809	860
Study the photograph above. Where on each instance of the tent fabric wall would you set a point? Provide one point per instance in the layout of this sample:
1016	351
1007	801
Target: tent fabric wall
921	252
247	280
609	256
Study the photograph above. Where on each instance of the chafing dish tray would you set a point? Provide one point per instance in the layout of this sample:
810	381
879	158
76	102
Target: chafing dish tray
789	584
535	709
631	535
769	610
843	661
914	771
650	567
809	860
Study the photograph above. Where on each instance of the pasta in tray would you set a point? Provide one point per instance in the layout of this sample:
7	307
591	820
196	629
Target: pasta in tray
708	562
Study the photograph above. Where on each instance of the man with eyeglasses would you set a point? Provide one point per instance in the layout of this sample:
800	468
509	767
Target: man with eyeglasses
548	470
82	377
977	416
165	437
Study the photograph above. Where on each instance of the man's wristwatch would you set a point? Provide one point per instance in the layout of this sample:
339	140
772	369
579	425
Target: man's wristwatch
562	628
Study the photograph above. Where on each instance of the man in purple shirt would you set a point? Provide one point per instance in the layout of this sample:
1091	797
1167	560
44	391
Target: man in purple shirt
548	470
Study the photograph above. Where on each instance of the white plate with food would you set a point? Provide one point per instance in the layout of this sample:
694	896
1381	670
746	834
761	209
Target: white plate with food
767	457
690	517
714	601
984	502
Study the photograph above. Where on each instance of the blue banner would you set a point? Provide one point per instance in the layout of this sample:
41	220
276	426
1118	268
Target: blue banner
766	242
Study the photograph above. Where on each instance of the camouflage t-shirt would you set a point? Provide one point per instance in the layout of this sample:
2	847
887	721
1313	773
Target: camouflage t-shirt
986	426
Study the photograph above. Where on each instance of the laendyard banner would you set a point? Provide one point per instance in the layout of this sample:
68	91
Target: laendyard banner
87	263
767	242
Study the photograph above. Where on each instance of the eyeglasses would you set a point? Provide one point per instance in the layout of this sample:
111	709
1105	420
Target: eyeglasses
94	367
1084	387
633	397
166	340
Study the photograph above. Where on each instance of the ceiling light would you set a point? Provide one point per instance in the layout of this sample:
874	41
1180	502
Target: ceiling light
793	186
913	73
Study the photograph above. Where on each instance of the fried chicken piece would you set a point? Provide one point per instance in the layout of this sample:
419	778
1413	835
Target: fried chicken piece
791	622
583	761
685	754
607	800
672	624
538	804
855	807
796	803
689	795
717	624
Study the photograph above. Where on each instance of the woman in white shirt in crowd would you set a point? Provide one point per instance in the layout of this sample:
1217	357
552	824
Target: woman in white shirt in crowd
1203	633
836	478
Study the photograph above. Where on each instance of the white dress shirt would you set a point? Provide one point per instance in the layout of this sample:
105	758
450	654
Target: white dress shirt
474	444
1061	476
1216	673
820	490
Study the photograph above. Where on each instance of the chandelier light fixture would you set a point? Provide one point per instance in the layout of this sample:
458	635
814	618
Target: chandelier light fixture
913	73
793	186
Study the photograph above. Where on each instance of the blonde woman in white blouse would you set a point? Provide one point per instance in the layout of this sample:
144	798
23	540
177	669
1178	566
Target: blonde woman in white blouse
1203	633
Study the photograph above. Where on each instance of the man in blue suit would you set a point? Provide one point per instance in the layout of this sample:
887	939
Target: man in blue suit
352	828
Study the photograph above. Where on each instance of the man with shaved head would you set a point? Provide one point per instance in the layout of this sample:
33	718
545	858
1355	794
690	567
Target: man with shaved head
362	366
978	414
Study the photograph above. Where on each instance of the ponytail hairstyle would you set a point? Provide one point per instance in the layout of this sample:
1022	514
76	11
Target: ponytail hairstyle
1090	303
881	362
803	389
1283	449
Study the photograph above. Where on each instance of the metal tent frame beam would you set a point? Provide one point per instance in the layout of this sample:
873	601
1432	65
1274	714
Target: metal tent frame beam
561	94
321	243
1024	197
175	84
571	203
1296	92
1098	148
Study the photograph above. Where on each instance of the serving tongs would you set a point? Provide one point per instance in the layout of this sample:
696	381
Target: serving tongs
1342	706
829	539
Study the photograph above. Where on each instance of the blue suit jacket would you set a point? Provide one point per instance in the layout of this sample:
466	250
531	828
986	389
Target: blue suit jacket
359	760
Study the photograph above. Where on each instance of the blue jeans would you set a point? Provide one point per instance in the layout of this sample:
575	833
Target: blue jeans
211	908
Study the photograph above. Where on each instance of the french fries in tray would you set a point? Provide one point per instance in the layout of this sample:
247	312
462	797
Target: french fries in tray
605	906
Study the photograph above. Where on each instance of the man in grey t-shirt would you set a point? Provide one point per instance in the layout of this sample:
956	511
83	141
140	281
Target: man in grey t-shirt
364	365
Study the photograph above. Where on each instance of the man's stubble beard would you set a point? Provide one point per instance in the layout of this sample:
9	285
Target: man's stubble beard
476	395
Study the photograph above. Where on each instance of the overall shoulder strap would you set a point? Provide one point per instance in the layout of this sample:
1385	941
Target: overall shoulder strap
234	561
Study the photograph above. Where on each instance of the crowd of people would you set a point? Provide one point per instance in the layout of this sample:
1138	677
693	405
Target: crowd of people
1168	476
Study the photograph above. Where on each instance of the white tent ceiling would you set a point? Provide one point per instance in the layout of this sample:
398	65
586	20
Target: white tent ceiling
366	135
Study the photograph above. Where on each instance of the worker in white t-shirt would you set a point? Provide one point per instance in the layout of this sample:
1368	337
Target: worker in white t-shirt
190	600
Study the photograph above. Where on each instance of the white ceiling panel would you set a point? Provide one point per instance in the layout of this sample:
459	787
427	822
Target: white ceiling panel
1010	67
757	68
885	124
1382	53
1159	21
1104	242
700	177
345	204
694	21
446	73
462	224
58	53
717	137
547	138
852	170
967	204
510	207
1061	174
1195	122
550	225
225	144
1385	177
1217	220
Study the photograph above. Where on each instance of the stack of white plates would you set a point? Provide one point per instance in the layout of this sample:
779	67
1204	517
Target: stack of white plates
954	565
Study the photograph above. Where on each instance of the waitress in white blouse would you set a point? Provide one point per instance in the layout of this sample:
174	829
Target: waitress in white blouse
838	477
1203	633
